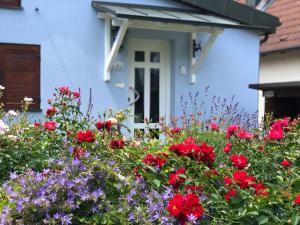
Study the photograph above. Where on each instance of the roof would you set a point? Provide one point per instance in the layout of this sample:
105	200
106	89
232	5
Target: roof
169	15
275	86
287	35
239	12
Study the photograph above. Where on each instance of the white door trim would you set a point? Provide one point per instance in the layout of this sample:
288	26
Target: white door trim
167	75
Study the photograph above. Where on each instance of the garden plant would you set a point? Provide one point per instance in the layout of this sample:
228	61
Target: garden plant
71	168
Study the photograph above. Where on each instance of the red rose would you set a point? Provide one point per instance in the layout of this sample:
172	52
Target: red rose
243	134
154	160
36	124
243	180
50	125
230	193
117	144
239	161
175	130
76	94
227	181
285	163
259	188
175	179
64	90
231	130
297	200
214	127
275	133
181	207
78	153
87	136
50	112
104	125
227	148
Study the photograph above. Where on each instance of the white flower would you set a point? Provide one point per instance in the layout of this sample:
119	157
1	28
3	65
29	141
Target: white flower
28	100
12	137
12	113
113	120
2	87
3	127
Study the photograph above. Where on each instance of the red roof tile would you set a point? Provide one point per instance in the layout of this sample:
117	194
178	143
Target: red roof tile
287	35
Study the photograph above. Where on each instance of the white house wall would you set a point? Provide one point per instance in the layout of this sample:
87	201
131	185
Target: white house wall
72	54
277	68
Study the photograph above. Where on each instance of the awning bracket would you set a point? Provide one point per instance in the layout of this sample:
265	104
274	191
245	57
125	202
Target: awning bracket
112	52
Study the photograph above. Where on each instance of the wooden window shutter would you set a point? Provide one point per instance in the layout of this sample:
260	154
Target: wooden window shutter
10	3
20	74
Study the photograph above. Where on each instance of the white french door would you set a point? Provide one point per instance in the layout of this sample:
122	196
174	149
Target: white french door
149	83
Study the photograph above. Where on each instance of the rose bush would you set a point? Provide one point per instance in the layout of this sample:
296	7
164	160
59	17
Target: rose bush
71	169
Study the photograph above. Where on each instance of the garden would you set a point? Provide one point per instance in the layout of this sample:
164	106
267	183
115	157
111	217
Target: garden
71	168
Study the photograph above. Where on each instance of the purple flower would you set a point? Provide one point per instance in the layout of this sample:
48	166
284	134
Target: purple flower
191	218
65	220
13	176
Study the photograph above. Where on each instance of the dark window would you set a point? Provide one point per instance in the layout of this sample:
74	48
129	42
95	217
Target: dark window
20	74
10	3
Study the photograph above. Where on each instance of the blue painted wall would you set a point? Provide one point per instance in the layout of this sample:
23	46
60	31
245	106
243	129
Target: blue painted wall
72	54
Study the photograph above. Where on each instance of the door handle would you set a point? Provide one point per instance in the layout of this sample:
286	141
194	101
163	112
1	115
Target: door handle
136	98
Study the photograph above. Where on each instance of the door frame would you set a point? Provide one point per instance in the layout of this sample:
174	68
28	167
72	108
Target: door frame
167	44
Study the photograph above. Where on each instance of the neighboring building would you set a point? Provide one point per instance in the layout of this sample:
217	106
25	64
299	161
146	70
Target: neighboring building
139	54
280	63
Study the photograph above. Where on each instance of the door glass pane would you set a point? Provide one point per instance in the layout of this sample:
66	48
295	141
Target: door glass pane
139	87
154	57
139	56
154	95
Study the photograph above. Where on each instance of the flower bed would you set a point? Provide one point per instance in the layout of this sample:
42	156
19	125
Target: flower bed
70	169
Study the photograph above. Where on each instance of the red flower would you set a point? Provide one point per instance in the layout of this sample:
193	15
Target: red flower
181	207
227	181
231	130
214	127
50	125
175	179
78	153
36	124
64	90
104	125
154	160
117	144
50	112
243	180
230	193
243	134
76	94
175	130
239	161
285	163
297	200
259	188
281	123
87	136
227	148
204	153
275	133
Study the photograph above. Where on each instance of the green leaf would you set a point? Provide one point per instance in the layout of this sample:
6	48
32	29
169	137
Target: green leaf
295	219
263	220
156	182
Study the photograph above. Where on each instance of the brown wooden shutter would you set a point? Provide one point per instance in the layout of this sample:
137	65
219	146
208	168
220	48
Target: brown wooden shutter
10	3
20	74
